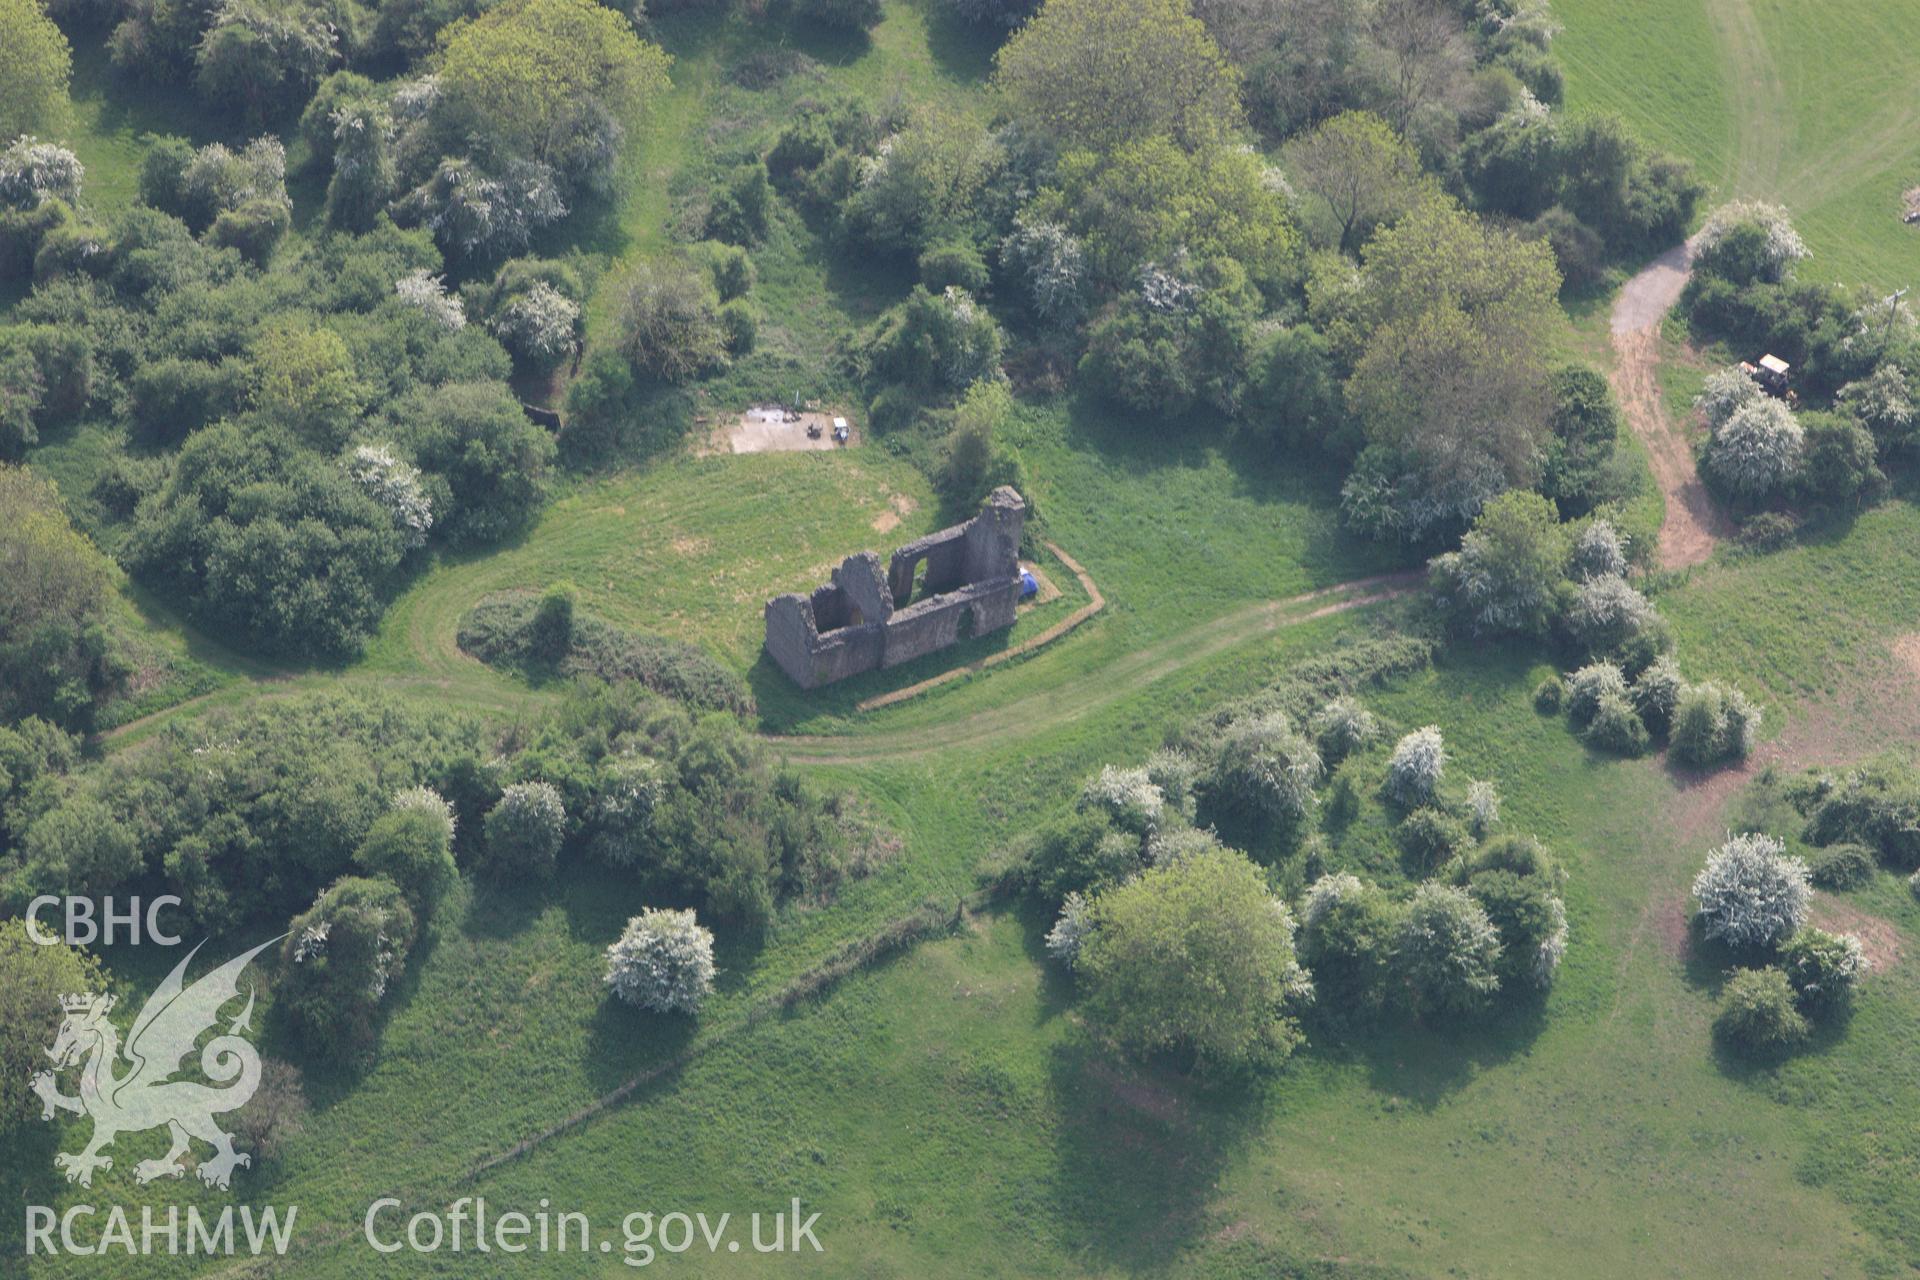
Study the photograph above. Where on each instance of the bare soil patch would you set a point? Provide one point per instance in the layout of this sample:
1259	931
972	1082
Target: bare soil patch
899	506
1877	935
1693	522
1049	590
1673	922
1906	651
774	429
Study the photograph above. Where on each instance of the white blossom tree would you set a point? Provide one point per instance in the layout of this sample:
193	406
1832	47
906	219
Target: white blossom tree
428	801
1598	551
1758	450
1418	763
1446	951
541	327
1267	767
428	293
1751	893
1780	245
1127	796
1606	611
32	171
663	961
395	485
1589	685
1070	930
1724	392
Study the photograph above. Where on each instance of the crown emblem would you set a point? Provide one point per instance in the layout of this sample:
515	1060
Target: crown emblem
86	1002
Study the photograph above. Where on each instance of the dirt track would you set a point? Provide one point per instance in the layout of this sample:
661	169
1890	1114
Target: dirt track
1081	696
1693	523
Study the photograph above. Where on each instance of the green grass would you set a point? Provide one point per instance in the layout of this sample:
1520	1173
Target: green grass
1808	106
946	1112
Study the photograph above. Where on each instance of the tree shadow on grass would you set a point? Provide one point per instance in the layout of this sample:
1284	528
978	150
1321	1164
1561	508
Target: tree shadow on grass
1422	1063
1141	1149
27	1177
962	49
624	1042
1141	444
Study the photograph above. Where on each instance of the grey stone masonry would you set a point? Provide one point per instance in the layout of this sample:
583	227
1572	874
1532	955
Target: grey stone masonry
937	590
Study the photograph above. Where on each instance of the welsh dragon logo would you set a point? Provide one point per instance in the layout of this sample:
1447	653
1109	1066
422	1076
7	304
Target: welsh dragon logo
147	1096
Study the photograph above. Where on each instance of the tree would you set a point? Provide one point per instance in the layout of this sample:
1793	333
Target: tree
1752	896
1884	404
54	659
524	830
1342	727
935	342
1757	1013
1153	201
364	171
1418	763
995	13
1424	52
669	321
1607	612
969	466
1838	459
1094	74
663	961
1267	769
35	65
1584	428
304	380
395	485
339	960
924	186
413	847
550	633
78	847
1591	685
1748	241
1050	263
1656	693
1598	551
552	81
1453	375
540	328
1069	930
265	56
1346	941
1502	578
476	212
1363	172
1517	895
1446	952
1712	722
33	172
1127	797
32	980
1758	450
1195	954
487	463
1824	969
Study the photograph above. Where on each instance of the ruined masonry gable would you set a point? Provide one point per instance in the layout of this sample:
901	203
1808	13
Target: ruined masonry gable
865	619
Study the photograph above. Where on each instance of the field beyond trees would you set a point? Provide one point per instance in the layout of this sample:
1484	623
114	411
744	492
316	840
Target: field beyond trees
492	739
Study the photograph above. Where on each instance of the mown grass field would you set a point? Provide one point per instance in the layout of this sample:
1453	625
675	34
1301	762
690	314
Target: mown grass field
946	1112
1808	105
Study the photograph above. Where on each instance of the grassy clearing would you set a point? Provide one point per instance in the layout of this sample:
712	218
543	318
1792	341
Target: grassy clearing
946	1113
1807	106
